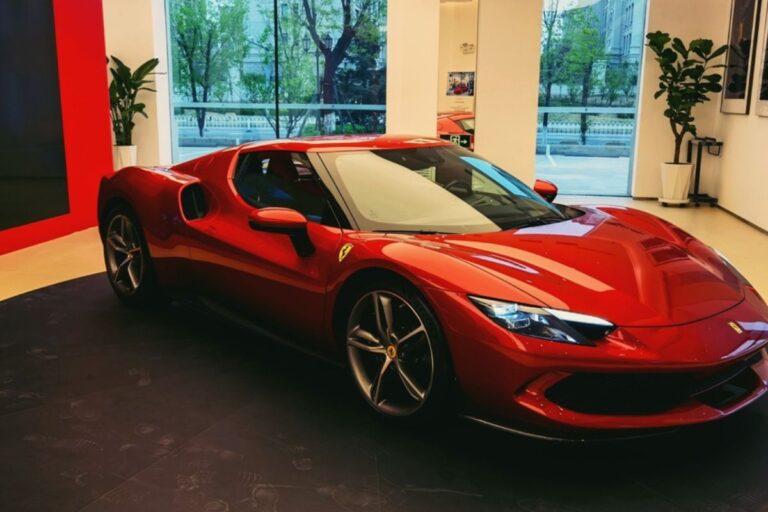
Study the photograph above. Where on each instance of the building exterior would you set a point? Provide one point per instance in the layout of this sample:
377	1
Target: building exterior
622	26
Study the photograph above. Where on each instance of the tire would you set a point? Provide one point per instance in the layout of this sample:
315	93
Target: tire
407	376
127	260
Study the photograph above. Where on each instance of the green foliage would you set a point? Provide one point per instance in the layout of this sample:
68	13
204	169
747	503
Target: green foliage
583	49
686	79
311	72
297	73
209	41
123	90
360	80
620	80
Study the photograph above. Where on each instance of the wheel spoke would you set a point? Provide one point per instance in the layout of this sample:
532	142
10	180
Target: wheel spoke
375	392
364	340
420	329
132	275
117	243
383	307
122	266
373	349
410	386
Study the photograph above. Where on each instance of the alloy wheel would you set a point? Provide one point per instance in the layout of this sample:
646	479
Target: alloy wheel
125	263
390	353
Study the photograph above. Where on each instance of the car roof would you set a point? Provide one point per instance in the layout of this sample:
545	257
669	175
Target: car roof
335	143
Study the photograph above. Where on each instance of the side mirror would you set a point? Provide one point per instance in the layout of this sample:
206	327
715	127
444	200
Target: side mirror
546	189
283	221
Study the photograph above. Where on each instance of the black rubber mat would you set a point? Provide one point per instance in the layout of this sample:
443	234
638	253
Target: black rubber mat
108	408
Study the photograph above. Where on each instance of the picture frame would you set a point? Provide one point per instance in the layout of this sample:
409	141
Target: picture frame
762	84
741	56
460	83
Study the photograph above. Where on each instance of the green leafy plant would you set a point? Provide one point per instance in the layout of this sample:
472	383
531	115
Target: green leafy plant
686	79
123	90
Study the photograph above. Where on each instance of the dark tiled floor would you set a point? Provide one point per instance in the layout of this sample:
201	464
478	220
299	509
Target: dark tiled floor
106	408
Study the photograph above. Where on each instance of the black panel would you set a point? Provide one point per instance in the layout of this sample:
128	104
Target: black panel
33	173
193	203
653	393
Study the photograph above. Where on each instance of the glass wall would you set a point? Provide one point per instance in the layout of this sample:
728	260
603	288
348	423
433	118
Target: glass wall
249	70
590	56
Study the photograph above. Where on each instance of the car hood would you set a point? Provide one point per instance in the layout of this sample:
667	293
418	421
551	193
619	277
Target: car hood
623	265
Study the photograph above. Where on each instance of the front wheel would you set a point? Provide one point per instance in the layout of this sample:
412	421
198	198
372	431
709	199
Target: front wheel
129	267
396	352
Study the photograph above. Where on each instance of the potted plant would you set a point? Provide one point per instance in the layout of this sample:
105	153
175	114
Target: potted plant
686	79
123	89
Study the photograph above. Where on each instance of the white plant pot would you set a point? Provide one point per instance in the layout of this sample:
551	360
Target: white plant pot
123	156
675	183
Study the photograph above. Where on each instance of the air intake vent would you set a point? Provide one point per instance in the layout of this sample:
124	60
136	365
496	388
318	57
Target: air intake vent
193	204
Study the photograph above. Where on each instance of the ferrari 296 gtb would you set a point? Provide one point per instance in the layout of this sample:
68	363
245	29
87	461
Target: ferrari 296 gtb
446	284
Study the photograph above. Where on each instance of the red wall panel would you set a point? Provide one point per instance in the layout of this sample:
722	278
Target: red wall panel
85	118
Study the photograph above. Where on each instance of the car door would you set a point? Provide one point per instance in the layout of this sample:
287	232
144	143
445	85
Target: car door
261	273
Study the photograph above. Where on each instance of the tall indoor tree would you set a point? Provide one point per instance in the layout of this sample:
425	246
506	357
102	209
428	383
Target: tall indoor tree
686	79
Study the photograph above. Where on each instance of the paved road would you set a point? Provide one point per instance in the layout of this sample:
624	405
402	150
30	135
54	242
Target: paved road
585	175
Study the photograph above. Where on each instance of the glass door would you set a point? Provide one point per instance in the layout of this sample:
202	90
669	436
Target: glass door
590	57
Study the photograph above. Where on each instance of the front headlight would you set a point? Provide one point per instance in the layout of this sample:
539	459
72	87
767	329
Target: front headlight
545	323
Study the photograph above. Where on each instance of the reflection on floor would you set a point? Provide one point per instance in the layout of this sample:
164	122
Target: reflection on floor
68	257
105	408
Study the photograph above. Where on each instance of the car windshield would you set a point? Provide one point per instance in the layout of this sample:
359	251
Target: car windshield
444	189
468	124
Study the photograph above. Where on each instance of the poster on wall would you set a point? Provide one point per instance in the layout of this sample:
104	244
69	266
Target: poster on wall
461	83
742	39
762	103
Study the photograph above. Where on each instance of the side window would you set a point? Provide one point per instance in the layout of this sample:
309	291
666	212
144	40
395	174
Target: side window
283	179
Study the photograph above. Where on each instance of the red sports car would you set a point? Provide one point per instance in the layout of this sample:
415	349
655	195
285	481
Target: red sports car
446	284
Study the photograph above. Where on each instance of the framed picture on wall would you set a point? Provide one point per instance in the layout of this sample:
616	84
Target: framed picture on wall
762	100
740	62
461	83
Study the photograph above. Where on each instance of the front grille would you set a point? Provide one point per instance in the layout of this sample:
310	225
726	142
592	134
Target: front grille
653	393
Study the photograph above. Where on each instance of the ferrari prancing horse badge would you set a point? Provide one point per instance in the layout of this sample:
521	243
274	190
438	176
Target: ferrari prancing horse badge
344	251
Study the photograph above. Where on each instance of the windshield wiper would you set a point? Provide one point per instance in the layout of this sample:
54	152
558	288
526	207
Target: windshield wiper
541	221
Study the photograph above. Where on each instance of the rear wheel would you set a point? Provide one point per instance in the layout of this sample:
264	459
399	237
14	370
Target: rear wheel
126	258
396	352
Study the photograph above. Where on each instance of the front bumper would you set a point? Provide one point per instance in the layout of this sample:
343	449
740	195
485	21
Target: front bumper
629	404
639	378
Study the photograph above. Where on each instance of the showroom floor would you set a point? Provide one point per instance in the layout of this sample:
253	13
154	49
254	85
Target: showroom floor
108	408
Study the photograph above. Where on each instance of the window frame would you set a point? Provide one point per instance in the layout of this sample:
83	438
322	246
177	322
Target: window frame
340	218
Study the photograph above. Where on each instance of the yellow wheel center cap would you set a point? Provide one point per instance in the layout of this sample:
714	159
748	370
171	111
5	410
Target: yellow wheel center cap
391	351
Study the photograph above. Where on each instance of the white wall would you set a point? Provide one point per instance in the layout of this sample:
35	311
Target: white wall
506	107
744	161
655	142
458	25
739	178
135	31
412	56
